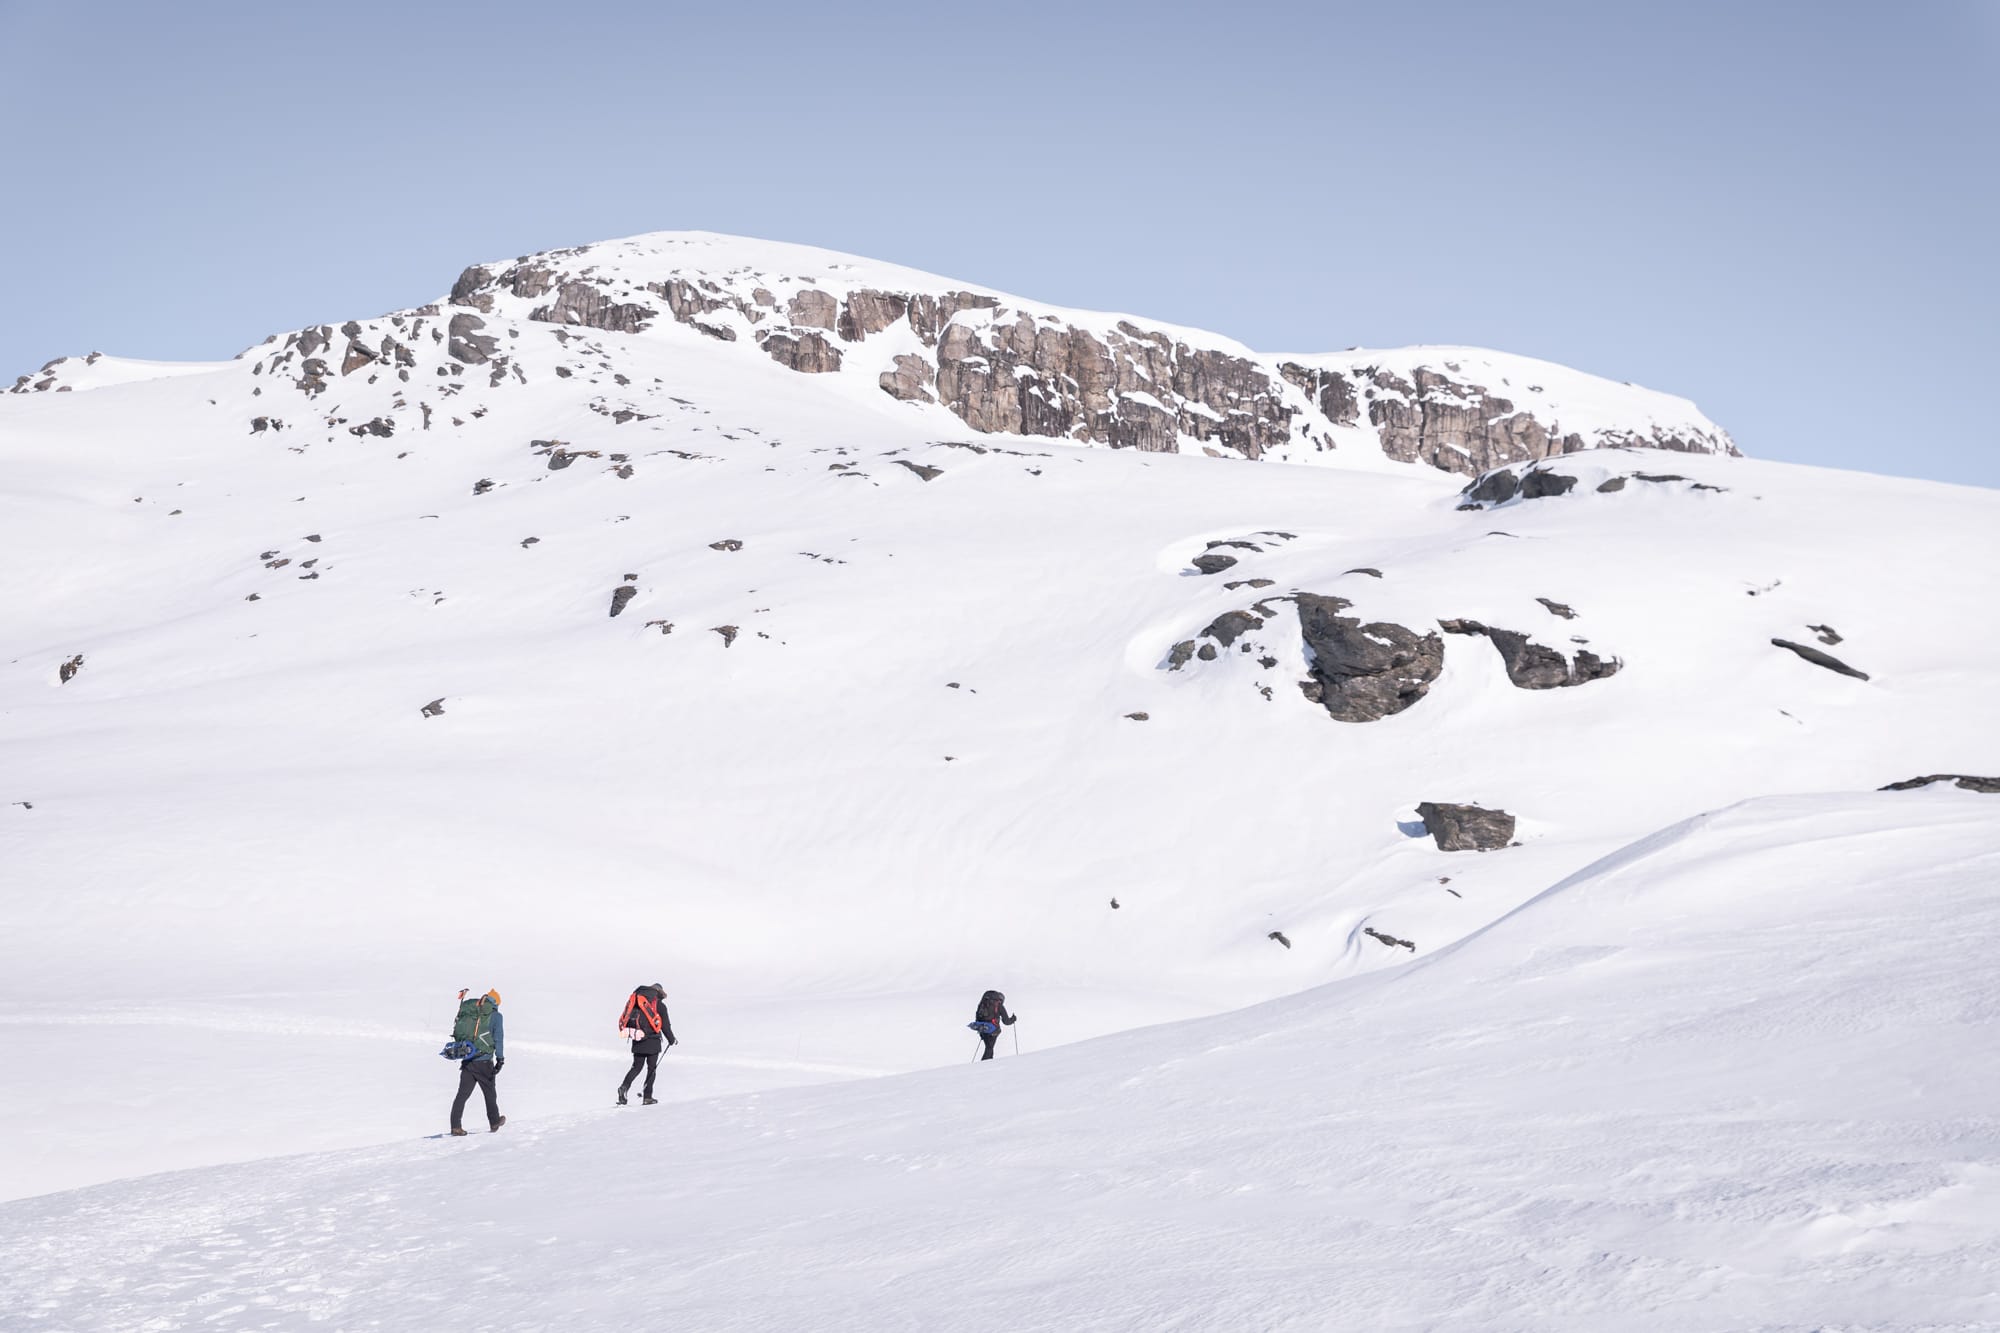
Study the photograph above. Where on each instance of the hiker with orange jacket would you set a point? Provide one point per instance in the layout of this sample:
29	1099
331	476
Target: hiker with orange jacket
645	1022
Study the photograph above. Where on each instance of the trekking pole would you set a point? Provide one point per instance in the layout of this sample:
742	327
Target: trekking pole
1017	1036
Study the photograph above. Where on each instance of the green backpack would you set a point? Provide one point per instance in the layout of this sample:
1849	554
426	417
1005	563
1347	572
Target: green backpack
475	1024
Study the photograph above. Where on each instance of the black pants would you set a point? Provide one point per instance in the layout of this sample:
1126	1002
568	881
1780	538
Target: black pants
651	1063
471	1074
989	1038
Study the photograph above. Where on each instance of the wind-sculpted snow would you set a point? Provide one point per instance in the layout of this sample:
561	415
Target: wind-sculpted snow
1730	1076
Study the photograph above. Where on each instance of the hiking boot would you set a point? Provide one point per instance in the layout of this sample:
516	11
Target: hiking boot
646	1101
457	1133
496	1125
621	1096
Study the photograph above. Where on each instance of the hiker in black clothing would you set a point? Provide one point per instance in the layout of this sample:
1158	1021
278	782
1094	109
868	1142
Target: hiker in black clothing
645	1021
992	1012
477	1070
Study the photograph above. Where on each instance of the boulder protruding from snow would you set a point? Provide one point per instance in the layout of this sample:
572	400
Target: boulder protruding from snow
1466	828
1818	658
1363	672
1535	666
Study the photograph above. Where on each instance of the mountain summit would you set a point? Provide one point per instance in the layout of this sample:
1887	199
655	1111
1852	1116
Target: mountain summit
976	359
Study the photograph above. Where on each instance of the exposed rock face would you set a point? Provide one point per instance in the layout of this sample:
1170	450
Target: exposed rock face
1818	658
1213	562
620	596
1963	781
1364	672
581	303
1000	365
910	380
468	344
1535	666
67	671
1466	828
809	353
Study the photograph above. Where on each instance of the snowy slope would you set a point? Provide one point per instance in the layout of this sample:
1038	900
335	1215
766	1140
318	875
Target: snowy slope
910	770
1716	1080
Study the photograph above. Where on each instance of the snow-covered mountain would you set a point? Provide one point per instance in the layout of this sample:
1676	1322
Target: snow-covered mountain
756	619
995	363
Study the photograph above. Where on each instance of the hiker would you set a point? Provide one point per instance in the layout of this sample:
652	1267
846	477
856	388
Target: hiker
986	1020
645	1021
479	1027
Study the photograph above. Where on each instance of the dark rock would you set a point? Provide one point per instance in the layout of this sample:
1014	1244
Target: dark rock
1139	717
1364	569
620	596
808	353
1389	940
1963	781
1179	654
313	537
483	485
467	343
1611	484
1249	583
67	671
357	357
1466	828
1541	483
526	542
1557	608
580	304
1818	658
728	633
1535	666
665	626
1206	652
1494	488
380	427
1279	936
1361	673
726	544
927	473
435	708
1231	625
469	282
1827	634
1210	563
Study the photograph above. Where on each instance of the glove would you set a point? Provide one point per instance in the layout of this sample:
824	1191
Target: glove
499	1065
673	1041
1009	1019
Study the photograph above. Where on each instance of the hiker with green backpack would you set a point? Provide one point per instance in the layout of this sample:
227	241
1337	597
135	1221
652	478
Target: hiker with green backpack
478	1043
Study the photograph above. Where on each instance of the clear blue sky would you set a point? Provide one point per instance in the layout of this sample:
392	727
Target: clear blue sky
1786	212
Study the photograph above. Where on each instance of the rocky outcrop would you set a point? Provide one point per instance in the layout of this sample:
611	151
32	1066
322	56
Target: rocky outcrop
1363	672
581	303
1963	781
910	381
1466	828
468	344
1535	666
1818	658
807	353
1003	366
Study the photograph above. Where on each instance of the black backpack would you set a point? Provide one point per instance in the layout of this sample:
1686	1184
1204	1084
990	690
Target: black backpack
991	1006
